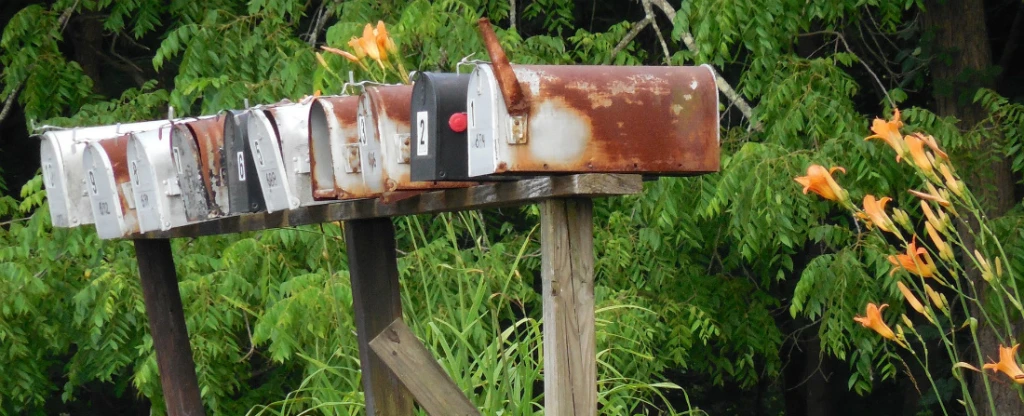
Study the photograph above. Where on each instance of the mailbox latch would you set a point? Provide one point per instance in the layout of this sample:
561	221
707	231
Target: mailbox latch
352	158
404	144
518	128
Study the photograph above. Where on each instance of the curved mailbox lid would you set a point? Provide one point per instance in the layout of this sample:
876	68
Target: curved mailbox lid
61	155
109	187
244	193
614	119
198	150
154	180
334	149
438	150
279	137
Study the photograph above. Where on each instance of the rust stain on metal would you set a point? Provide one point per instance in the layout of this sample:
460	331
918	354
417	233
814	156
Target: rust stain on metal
515	100
618	119
346	111
209	135
117	152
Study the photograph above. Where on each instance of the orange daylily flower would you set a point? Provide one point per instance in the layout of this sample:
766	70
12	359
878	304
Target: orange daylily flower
875	211
384	41
357	48
916	261
916	148
369	43
819	180
1007	364
873	320
936	150
889	131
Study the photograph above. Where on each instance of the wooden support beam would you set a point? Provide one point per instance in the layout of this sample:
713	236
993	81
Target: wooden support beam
373	269
567	271
413	363
167	326
486	195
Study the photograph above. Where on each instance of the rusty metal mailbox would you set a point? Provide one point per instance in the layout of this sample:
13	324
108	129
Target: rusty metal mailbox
155	186
197	148
439	122
244	193
61	155
279	137
544	119
109	187
334	149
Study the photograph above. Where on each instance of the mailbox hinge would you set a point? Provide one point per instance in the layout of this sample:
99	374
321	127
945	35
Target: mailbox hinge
404	145
518	129
352	158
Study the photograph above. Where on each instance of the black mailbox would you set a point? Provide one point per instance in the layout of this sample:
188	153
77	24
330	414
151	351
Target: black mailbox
244	192
438	127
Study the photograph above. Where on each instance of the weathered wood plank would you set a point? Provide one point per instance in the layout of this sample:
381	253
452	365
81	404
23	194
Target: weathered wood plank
410	360
167	326
487	195
375	297
567	271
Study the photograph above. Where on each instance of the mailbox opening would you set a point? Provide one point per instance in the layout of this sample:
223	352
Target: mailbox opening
321	140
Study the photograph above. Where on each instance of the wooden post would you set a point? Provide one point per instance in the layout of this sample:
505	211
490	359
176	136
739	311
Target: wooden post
373	269
567	270
167	326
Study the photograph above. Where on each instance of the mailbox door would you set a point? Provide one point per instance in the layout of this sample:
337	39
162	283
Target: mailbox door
334	144
292	121
109	187
389	111
244	192
185	155
658	120
65	207
209	136
438	151
370	159
269	164
484	104
157	194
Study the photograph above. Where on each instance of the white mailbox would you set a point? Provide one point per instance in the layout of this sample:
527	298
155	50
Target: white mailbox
61	156
279	137
154	180
109	187
334	149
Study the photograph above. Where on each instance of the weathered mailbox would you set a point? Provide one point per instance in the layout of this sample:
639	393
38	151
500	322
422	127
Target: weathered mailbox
439	123
334	149
154	181
198	151
544	119
279	136
61	156
109	187
244	192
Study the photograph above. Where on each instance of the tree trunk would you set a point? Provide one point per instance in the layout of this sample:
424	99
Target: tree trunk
963	56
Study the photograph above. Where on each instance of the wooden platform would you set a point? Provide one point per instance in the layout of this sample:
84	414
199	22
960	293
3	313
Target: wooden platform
397	369
486	195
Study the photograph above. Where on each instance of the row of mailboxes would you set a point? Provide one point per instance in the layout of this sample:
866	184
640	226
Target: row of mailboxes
444	131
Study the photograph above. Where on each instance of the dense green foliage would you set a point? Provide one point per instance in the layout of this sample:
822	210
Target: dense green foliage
710	282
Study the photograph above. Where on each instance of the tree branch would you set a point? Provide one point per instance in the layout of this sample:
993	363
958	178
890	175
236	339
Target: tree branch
639	26
723	85
512	14
321	20
649	11
9	102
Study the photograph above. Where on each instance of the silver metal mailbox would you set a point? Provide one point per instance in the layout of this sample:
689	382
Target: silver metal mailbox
109	187
279	137
544	119
61	155
334	149
154	180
